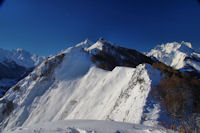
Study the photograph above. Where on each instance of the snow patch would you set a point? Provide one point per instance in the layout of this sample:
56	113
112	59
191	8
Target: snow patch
87	126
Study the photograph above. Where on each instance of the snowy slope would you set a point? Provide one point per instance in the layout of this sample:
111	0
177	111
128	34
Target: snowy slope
178	55
70	86
87	126
20	57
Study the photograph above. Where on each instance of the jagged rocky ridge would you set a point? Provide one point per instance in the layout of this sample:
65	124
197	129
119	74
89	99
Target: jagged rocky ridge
73	85
109	56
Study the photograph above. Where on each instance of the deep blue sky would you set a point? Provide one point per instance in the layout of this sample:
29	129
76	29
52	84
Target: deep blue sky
47	26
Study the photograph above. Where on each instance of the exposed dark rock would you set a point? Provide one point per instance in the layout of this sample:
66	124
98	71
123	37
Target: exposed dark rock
111	56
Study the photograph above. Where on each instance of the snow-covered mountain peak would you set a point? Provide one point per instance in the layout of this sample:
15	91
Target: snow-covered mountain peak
178	55
89	46
19	50
79	84
185	47
20	57
188	44
98	45
85	44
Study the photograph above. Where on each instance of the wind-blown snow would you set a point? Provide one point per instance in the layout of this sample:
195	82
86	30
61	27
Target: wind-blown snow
178	55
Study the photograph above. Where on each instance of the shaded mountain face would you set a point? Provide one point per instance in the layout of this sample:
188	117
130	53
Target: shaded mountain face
10	74
181	56
108	56
14	66
10	70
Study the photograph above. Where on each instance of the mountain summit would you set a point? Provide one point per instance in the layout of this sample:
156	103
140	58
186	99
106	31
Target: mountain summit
178	55
99	81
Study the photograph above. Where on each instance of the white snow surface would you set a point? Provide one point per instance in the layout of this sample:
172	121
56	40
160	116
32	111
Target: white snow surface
77	89
20	57
87	126
174	54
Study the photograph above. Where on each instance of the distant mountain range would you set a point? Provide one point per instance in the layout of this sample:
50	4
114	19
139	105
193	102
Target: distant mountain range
180	56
